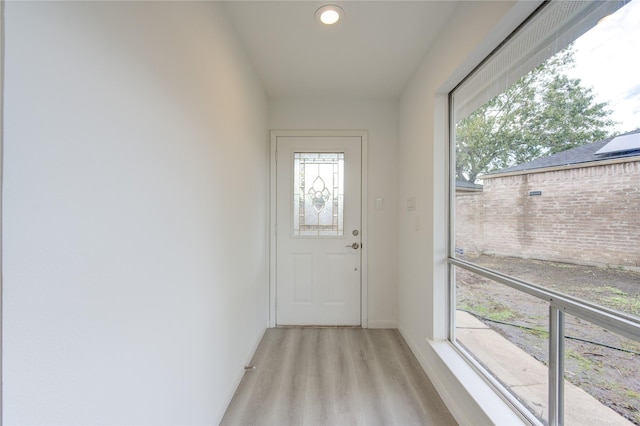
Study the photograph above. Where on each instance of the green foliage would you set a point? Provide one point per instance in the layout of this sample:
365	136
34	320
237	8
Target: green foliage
538	331
630	345
490	310
633	394
629	304
543	113
505	314
619	300
585	364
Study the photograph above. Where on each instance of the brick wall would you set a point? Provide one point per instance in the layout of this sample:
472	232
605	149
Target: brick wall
584	215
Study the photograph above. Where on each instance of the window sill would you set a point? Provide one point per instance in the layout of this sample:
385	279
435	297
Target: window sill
469	398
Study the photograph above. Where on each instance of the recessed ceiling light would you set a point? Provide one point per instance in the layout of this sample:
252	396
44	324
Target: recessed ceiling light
329	14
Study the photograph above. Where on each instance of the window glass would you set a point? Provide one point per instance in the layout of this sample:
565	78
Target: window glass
506	332
549	171
546	178
600	365
318	194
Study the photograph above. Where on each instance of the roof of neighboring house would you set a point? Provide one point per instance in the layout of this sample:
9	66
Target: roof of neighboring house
581	154
467	186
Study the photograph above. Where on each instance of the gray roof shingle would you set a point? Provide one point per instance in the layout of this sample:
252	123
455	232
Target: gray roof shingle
578	155
461	184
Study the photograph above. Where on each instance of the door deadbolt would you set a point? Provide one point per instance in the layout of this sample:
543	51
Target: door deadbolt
355	232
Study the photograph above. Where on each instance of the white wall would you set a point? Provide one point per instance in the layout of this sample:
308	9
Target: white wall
380	119
135	213
1	172
473	31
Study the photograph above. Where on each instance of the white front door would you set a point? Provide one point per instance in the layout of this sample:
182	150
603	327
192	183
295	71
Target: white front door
318	230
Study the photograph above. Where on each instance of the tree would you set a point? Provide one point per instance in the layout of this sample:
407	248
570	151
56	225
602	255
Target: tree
543	113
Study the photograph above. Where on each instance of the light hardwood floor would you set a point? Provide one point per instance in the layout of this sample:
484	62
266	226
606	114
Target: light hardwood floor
335	376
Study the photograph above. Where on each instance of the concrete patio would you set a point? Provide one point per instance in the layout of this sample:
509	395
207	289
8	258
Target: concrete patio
527	377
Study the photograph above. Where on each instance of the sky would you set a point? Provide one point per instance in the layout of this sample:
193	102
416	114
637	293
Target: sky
608	60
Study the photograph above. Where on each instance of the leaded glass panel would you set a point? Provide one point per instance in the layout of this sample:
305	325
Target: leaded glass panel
318	193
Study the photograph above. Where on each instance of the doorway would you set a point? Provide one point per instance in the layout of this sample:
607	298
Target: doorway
318	244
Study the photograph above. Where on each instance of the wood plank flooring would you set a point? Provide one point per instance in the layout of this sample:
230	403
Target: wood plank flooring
335	376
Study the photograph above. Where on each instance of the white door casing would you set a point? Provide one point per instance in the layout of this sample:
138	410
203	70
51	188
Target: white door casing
318	273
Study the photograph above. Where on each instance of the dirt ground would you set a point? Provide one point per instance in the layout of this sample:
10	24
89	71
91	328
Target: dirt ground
601	362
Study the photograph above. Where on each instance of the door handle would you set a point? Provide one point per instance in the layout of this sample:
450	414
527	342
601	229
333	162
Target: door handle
354	246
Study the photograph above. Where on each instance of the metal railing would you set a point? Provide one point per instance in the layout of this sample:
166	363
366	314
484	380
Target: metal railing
559	305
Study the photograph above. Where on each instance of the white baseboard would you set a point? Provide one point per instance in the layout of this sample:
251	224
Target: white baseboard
383	324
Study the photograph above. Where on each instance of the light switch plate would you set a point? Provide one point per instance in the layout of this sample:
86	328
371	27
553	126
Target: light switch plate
379	203
411	204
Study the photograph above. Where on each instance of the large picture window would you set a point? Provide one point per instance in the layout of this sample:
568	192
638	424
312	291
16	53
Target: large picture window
545	215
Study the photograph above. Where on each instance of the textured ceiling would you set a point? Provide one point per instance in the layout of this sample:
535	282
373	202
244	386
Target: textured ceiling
372	53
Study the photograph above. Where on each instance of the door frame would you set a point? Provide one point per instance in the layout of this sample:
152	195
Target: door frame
363	134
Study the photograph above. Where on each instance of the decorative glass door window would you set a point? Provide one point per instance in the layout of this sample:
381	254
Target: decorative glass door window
318	194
